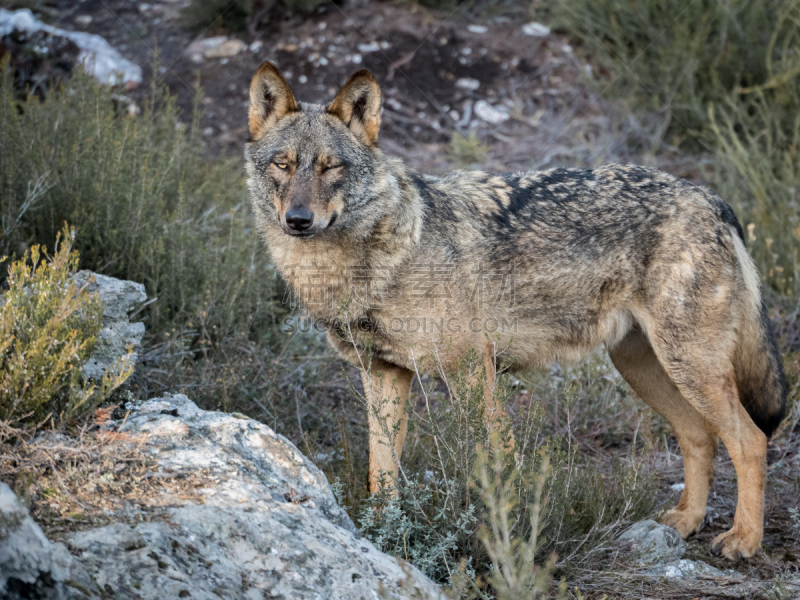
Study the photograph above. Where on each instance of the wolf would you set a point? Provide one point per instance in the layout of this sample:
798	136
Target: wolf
401	268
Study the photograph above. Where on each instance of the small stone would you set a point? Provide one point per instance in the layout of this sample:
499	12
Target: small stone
467	83
677	487
356	58
197	49
712	515
256	46
367	48
477	28
394	104
226	49
489	113
688	569
536	29
83	20
648	543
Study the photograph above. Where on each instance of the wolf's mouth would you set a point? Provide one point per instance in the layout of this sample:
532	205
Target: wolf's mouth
301	234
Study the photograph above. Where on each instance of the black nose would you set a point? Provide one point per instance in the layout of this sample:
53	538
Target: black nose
299	219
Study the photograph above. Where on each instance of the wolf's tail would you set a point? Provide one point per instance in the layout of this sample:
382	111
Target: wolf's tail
756	362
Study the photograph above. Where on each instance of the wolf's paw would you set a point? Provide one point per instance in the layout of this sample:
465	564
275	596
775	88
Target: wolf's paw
682	521
735	543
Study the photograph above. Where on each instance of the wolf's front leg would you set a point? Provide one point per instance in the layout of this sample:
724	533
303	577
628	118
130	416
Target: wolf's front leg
387	389
494	413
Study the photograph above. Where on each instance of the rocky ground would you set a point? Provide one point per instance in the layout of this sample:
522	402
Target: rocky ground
237	512
525	91
162	499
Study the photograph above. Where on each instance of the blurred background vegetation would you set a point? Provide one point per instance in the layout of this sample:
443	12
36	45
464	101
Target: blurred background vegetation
148	204
727	76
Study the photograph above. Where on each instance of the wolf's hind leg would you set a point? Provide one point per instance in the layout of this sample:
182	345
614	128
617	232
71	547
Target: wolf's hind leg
387	389
494	413
702	370
637	363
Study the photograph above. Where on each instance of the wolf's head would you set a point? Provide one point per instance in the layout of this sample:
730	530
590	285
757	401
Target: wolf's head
311	167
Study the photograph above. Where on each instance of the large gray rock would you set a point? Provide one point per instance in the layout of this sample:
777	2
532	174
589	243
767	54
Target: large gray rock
30	566
97	55
259	521
648	543
118	334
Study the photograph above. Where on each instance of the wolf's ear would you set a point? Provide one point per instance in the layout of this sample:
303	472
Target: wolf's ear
358	105
271	99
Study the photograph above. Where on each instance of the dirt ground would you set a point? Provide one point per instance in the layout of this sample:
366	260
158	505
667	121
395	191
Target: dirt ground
433	70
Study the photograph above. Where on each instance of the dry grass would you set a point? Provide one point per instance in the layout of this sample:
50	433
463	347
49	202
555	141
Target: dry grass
91	476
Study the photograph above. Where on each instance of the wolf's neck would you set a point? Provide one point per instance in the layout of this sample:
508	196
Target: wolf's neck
395	230
352	271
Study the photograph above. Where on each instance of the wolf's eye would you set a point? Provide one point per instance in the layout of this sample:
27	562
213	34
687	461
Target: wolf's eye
280	165
331	168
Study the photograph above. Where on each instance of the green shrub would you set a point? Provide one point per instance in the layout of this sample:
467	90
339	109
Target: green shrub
236	15
148	206
756	134
144	202
48	329
514	572
677	56
230	14
759	175
465	151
